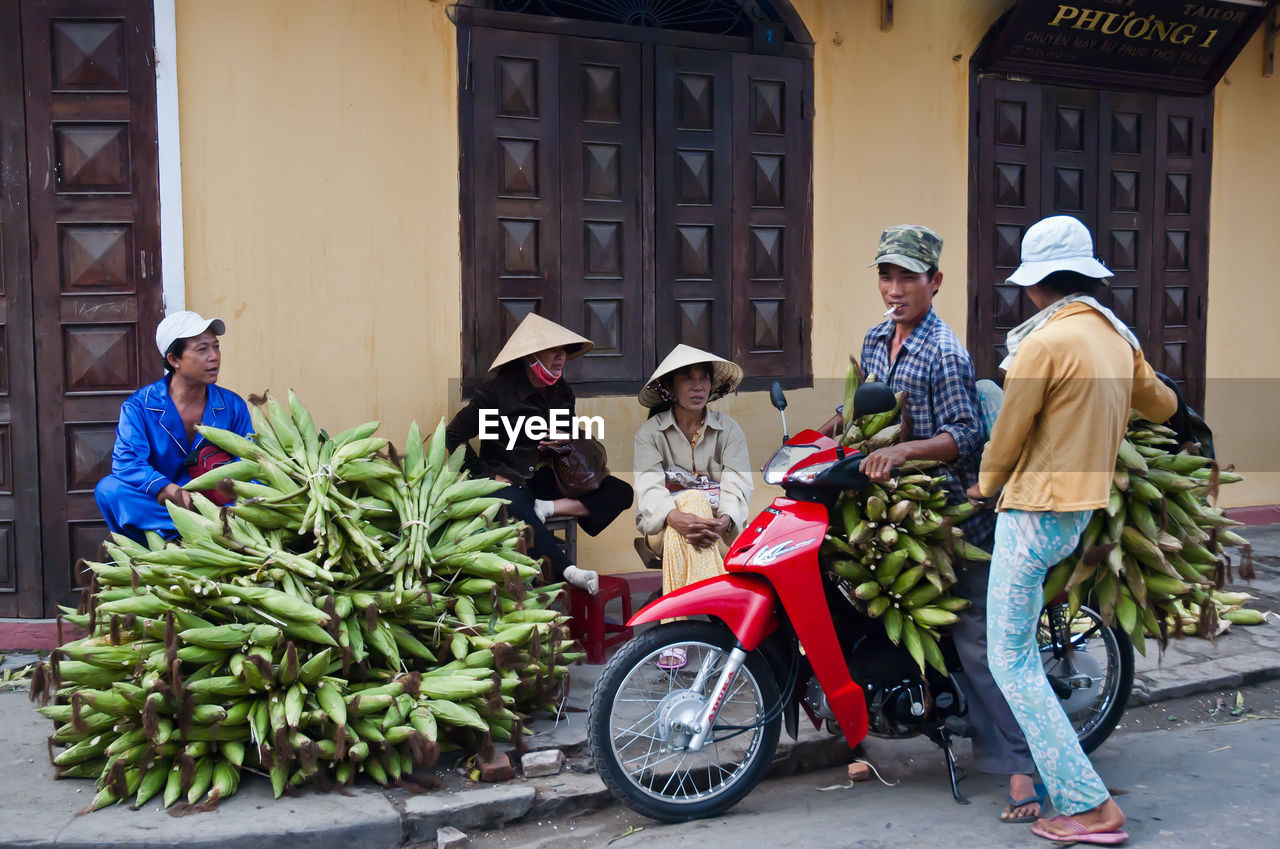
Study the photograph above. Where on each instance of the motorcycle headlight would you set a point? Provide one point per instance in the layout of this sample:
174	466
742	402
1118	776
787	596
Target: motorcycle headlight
783	459
809	473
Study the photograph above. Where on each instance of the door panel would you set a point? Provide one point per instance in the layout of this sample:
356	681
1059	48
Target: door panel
602	188
516	207
1180	241
693	198
91	137
1126	155
771	187
21	585
1008	152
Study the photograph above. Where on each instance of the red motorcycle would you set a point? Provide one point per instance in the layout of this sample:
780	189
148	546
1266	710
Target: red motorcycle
682	740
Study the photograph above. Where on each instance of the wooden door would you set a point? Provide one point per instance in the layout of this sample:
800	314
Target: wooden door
693	198
21	587
91	142
1134	167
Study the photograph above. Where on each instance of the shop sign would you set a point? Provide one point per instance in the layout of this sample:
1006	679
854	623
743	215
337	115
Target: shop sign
1165	44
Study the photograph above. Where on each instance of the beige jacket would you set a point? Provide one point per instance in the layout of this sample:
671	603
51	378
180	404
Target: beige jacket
1067	398
721	455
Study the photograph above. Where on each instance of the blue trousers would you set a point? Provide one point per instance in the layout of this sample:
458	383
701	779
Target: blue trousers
1027	545
130	511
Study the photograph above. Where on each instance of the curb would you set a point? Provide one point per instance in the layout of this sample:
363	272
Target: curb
1204	677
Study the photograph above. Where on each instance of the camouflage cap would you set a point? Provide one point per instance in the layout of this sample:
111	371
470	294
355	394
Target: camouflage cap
911	246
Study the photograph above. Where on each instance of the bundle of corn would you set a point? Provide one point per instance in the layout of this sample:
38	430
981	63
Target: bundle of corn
1153	557
353	612
891	549
1185	618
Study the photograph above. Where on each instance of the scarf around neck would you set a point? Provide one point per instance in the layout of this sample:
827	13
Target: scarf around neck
1040	319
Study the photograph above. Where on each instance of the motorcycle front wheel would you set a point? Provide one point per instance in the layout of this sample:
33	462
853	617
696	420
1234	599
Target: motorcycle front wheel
1090	666
640	712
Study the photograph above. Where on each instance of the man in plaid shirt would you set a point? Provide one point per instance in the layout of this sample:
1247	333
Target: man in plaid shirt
915	351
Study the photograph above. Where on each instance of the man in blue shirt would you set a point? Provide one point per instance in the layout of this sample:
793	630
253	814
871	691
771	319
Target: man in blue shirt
156	439
913	350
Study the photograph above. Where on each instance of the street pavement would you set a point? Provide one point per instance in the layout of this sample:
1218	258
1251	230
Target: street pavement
1186	786
1192	788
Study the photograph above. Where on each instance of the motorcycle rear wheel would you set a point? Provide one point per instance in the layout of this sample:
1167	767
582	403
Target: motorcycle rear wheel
1103	656
635	704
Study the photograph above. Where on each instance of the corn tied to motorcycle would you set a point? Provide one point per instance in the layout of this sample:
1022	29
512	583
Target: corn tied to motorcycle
1155	561
354	611
893	549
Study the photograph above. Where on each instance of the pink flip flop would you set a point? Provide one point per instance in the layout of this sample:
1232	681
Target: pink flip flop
1080	834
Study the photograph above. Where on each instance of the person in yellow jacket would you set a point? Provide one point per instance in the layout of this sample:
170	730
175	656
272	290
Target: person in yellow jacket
1073	372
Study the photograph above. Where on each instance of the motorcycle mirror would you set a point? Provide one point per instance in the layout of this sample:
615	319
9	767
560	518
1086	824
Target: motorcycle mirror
873	397
775	395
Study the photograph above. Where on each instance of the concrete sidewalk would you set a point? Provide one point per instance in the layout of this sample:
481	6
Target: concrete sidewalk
41	812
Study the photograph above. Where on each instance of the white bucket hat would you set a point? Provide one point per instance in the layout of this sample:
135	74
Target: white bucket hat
184	325
1057	243
725	375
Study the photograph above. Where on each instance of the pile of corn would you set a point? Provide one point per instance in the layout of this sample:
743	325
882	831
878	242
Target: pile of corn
1152	559
891	549
355	611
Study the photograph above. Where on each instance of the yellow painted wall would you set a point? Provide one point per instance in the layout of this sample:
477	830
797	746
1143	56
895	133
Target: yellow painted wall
319	157
1242	345
320	198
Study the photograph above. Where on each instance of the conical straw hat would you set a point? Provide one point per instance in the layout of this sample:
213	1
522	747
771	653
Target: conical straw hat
536	334
725	375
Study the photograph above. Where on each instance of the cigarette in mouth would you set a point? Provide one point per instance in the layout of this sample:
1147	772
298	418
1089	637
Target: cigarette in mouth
890	311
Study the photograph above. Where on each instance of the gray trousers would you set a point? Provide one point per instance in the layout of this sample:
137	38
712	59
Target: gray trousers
998	744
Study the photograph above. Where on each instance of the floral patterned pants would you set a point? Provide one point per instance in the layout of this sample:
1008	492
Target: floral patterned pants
1027	545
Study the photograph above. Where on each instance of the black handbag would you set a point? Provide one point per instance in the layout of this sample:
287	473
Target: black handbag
578	464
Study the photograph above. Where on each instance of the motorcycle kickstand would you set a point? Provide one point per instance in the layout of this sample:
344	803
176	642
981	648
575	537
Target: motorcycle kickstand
942	736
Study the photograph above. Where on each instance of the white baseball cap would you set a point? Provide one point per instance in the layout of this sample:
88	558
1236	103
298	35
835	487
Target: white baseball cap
1057	243
184	325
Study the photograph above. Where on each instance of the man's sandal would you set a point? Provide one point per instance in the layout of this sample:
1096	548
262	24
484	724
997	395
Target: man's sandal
1014	804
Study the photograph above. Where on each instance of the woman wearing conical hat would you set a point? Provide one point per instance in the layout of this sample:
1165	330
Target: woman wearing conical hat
528	381
693	475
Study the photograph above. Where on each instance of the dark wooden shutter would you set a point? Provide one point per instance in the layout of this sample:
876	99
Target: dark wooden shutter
20	578
1135	168
602	189
515	212
693	198
91	143
771	191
